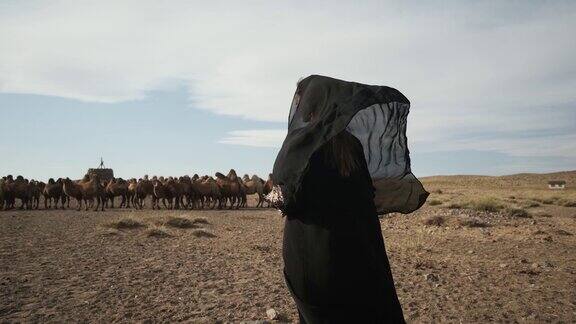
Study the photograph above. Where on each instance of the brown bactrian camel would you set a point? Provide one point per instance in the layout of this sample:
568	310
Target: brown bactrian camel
161	193
255	185
208	192
131	192
144	188
224	187
188	193
93	190
72	190
243	197
117	188
176	192
2	190
230	189
53	193
36	188
18	189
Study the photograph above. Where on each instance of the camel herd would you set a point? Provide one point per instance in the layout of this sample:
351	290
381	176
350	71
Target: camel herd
221	191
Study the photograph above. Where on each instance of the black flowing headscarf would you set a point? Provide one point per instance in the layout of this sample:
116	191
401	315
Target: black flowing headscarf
376	115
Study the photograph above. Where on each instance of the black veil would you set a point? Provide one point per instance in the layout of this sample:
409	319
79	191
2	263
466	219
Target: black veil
376	115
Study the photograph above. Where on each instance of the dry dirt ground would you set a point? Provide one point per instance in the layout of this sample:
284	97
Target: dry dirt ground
463	258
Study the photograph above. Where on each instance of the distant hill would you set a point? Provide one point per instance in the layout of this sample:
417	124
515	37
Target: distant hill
532	180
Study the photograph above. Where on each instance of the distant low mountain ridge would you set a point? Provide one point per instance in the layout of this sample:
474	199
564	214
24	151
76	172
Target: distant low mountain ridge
532	180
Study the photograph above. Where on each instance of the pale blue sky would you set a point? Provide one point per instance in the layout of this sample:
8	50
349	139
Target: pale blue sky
185	87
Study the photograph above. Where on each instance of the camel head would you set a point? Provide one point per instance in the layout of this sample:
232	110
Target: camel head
220	175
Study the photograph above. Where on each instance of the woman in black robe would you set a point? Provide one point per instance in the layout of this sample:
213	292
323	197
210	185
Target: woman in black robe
335	262
343	162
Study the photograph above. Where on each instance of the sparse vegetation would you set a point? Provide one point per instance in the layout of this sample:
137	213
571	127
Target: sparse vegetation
570	204
545	201
180	222
158	231
110	232
127	223
203	233
200	220
434	202
531	204
453	206
435	220
485	204
472	222
518	212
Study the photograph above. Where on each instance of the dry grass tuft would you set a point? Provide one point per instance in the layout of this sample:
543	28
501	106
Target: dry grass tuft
486	204
531	204
127	223
110	232
454	206
545	201
472	222
562	232
180	222
200	220
434	202
570	204
518	212
203	233
158	231
435	220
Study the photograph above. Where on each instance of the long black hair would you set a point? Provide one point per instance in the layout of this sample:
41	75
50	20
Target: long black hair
342	153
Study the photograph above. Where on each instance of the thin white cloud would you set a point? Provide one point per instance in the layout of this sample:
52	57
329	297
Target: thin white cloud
255	137
463	66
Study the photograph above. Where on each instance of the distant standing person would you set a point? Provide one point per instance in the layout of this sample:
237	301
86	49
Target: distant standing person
335	263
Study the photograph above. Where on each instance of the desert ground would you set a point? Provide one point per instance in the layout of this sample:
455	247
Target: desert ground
482	249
